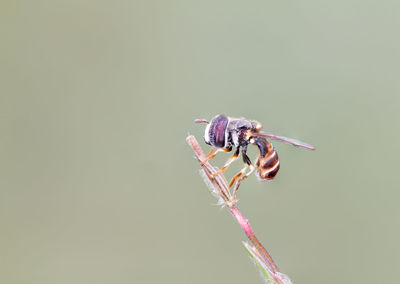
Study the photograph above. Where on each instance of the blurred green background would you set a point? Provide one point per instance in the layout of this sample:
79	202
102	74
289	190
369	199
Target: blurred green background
97	184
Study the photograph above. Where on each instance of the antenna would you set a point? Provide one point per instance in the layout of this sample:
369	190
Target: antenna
201	120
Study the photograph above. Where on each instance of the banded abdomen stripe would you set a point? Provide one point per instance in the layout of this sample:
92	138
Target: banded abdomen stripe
267	161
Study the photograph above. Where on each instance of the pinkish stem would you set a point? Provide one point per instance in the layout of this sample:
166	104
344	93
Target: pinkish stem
263	253
253	239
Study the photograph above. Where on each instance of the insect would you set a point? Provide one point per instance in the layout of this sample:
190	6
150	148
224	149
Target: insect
224	132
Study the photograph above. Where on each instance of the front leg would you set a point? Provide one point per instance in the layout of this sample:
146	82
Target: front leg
211	152
230	161
208	157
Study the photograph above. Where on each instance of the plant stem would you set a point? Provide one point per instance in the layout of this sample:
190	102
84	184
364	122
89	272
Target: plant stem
252	238
220	188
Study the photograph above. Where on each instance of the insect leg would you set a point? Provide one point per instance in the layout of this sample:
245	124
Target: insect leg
211	151
230	161
247	162
246	159
213	156
235	177
252	168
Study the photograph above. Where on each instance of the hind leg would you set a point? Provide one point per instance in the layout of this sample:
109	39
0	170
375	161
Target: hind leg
246	161
252	168
239	180
248	164
235	177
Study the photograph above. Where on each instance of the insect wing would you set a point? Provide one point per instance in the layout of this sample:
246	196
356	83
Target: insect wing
284	139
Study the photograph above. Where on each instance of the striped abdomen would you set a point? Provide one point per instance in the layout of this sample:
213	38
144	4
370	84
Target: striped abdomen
267	161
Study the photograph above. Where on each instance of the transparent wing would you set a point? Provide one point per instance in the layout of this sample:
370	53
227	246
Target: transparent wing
284	139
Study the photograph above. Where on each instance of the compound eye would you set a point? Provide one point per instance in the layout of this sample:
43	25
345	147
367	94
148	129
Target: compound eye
217	130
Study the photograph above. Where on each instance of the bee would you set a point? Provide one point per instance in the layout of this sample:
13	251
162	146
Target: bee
224	132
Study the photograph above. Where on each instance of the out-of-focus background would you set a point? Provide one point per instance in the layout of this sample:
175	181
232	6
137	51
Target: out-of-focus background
97	184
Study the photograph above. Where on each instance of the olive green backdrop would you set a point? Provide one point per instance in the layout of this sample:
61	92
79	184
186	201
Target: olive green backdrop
97	184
